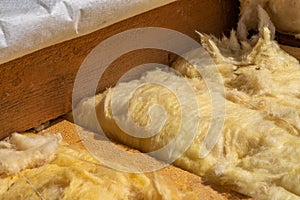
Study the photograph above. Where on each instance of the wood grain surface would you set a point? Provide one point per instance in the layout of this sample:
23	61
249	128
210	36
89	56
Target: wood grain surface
183	180
38	87
294	51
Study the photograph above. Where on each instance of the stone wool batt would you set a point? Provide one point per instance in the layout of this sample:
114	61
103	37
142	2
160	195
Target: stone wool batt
258	151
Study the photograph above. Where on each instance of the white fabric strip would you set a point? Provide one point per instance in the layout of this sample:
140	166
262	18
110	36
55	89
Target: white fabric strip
29	25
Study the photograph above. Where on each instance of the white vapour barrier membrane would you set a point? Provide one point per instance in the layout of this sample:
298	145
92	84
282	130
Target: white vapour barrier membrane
30	25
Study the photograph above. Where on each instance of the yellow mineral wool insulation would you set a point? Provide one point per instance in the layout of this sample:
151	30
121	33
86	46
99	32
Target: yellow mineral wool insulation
283	13
258	151
75	174
19	152
265	78
253	18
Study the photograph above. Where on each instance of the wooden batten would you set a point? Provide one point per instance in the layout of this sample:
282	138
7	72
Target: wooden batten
294	51
38	87
289	43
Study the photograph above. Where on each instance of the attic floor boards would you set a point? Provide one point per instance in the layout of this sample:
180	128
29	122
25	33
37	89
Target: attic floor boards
183	180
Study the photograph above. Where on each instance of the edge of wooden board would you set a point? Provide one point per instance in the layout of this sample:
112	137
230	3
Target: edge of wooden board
38	87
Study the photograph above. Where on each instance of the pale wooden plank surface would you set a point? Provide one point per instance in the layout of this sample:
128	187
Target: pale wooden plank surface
38	87
183	180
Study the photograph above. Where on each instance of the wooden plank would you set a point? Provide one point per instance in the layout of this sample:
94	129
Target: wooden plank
183	180
289	43
38	87
294	51
288	40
